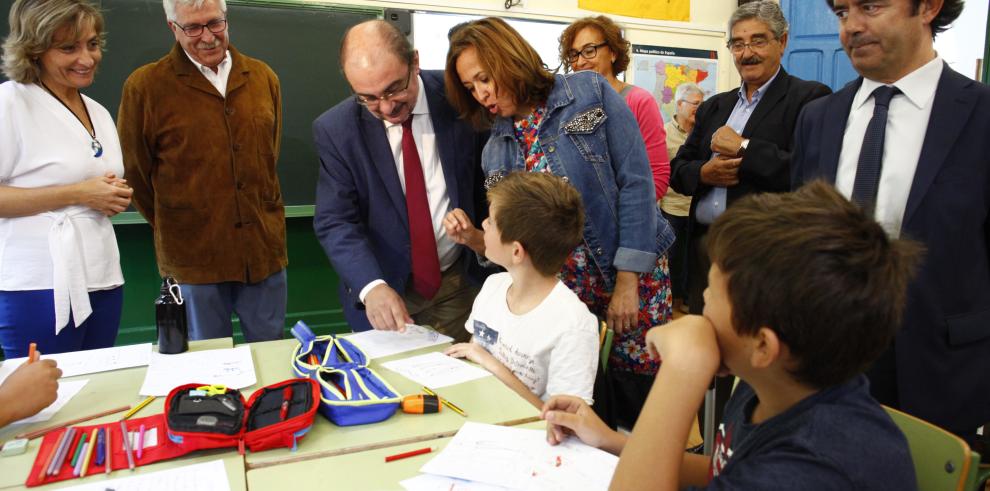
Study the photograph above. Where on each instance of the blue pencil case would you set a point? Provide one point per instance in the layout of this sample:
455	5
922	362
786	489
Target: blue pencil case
350	392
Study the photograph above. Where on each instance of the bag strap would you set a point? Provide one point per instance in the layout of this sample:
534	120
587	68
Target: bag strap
303	333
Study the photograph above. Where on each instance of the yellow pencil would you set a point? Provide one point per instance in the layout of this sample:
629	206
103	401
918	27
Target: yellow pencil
137	408
89	453
451	405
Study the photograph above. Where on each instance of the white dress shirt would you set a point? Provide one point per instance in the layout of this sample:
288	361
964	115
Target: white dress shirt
907	124
436	186
219	78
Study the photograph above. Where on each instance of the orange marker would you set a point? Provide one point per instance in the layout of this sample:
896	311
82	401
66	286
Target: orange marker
32	352
421	404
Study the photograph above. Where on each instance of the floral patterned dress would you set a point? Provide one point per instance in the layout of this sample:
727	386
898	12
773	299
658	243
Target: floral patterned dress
582	276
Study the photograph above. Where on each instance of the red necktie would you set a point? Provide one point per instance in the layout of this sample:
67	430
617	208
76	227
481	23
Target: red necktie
425	262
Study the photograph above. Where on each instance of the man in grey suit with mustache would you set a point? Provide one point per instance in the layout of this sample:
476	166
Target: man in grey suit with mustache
742	139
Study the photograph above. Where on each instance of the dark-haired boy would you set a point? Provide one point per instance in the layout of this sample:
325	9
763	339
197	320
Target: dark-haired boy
805	291
529	329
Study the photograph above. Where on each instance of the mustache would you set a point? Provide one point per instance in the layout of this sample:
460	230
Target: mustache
859	40
752	60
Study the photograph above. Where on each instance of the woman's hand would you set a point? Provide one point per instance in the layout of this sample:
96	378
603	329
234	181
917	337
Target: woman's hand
623	310
461	230
108	194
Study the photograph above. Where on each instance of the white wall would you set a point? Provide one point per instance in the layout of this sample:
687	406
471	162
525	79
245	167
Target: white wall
964	42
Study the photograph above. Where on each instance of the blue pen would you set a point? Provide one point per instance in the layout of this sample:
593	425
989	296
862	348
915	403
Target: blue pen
101	446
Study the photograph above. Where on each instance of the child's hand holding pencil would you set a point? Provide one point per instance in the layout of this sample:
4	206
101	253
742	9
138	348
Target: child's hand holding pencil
32	387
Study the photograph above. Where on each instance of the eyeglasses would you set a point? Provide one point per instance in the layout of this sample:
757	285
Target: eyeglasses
588	52
693	103
738	46
370	100
216	26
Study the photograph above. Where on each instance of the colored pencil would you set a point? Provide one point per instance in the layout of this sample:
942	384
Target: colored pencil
51	457
109	465
32	352
137	408
93	443
63	450
79	449
140	445
44	431
80	458
405	455
126	438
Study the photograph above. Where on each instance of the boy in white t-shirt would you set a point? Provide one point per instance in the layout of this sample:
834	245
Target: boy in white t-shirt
529	329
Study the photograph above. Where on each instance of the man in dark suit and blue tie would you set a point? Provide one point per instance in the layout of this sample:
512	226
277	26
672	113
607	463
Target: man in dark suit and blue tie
394	159
910	141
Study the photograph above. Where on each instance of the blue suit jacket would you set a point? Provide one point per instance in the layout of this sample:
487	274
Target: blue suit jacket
943	347
361	218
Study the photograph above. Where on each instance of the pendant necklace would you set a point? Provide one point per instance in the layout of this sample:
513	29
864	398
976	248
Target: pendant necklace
95	145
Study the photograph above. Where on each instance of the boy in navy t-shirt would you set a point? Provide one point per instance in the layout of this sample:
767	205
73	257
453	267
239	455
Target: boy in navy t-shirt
805	291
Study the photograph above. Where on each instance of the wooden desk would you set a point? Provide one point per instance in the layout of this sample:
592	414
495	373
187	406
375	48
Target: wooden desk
107	390
360	470
485	400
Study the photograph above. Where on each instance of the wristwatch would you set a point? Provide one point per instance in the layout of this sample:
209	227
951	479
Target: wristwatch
742	147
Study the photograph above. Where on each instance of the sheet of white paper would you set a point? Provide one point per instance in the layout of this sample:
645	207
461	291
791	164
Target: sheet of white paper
208	476
522	459
432	482
66	391
379	344
231	367
435	370
89	361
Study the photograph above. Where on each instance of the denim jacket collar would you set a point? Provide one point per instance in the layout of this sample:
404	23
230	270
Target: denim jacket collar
503	127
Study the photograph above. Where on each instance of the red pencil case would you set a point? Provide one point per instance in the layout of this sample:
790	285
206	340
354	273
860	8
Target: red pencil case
275	416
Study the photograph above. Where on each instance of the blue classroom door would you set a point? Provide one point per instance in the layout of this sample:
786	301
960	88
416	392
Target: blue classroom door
813	51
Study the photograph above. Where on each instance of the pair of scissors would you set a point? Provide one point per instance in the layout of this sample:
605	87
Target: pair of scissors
213	390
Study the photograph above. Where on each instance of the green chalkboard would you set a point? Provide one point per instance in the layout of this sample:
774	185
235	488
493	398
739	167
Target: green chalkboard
300	41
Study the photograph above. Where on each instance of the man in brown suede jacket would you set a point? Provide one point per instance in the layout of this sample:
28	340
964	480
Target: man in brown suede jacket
200	131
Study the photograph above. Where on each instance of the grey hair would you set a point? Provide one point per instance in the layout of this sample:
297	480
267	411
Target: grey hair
764	11
33	26
169	6
686	89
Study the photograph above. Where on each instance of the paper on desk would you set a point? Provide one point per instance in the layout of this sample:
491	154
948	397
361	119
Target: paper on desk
379	344
522	459
208	476
90	361
432	482
66	391
435	370
232	367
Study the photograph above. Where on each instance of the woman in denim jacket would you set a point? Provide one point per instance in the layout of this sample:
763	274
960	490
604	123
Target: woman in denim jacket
577	127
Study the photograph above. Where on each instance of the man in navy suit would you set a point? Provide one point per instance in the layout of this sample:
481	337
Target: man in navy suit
910	140
394	159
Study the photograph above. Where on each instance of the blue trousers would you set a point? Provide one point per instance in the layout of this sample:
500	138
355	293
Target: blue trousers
29	317
260	307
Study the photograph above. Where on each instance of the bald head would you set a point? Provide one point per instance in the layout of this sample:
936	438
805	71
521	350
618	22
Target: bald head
382	68
364	43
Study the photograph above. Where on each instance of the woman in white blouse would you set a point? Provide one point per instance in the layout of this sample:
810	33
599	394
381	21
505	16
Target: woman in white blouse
60	181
